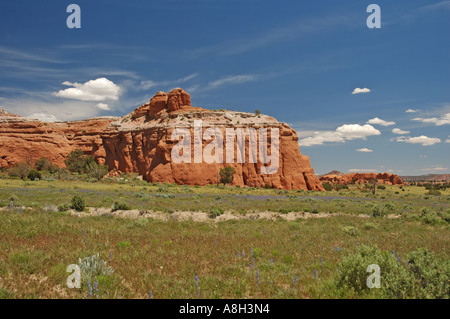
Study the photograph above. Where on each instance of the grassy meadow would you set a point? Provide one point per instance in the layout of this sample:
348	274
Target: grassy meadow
245	258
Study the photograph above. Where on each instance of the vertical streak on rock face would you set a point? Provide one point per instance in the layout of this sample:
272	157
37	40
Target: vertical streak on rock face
141	142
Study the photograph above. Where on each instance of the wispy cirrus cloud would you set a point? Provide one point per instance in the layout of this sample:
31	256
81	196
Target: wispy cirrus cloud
279	34
234	79
147	84
437	168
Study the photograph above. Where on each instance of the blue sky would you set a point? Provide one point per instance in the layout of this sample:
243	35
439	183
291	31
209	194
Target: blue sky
298	61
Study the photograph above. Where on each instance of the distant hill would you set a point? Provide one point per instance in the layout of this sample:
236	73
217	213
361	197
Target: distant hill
427	178
334	173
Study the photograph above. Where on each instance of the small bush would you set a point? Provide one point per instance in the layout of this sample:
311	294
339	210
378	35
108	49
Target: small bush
63	207
78	203
163	189
78	162
226	175
431	273
20	170
376	211
369	225
434	192
33	175
215	212
96	171
350	230
92	267
257	252
120	206
123	244
381	187
425	276
328	187
43	164
352	273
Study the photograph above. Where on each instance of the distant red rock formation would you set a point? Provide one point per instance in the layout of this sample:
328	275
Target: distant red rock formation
140	142
385	178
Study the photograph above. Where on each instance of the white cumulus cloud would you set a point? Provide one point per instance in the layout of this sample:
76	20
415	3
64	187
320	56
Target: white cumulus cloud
364	150
100	89
438	121
318	138
357	131
103	106
423	140
399	131
43	117
411	111
340	135
378	121
359	90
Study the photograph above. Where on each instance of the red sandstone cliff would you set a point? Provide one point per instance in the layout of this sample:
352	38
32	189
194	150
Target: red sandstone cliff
385	178
141	142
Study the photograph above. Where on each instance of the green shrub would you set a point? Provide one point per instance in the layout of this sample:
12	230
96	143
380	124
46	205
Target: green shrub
123	244
376	211
352	272
369	225
350	230
227	174
433	192
431	274
215	211
92	267
431	218
96	171
328	187
445	216
381	187
78	203
63	207
424	276
257	252
120	206
20	170
163	189
34	175
43	164
78	162
389	207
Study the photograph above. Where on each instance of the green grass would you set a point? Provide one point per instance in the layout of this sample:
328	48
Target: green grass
170	198
164	257
37	245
